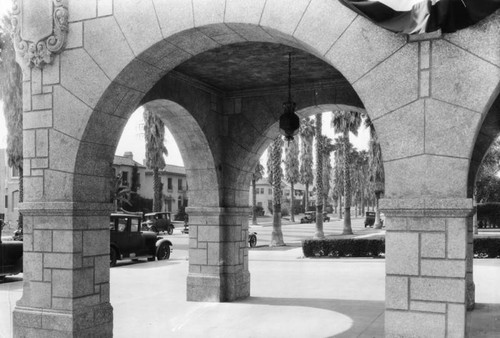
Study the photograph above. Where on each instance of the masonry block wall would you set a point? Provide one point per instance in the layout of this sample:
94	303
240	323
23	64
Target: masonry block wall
427	267
426	99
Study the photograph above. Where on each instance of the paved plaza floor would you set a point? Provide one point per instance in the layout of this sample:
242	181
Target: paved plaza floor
291	296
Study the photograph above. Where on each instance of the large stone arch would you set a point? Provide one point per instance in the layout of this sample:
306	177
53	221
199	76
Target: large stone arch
75	109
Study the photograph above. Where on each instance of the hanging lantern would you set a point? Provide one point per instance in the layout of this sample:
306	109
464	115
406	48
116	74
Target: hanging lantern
289	121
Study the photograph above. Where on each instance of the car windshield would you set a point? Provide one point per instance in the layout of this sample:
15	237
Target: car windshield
134	224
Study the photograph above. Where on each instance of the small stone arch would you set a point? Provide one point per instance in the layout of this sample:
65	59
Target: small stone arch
201	173
488	132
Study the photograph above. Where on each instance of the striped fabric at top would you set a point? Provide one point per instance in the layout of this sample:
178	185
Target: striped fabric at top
423	16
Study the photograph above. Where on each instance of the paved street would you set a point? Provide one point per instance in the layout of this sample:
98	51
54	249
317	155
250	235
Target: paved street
291	296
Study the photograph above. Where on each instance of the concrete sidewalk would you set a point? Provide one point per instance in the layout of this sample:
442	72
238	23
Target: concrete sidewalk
292	296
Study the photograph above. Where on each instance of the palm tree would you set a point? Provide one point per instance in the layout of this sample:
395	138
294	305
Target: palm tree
328	148
292	174
306	157
119	193
338	174
11	95
319	179
277	174
376	169
345	122
154	132
257	175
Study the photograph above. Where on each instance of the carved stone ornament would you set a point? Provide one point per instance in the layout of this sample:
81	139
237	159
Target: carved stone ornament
40	28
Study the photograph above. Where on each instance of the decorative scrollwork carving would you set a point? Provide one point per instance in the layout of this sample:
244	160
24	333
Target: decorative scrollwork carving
39	53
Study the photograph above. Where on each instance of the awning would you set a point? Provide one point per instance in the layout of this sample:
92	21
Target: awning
423	16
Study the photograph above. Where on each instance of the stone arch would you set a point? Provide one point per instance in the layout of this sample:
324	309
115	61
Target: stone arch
198	160
76	108
489	131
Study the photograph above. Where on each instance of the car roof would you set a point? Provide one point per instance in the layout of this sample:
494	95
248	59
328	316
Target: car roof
125	215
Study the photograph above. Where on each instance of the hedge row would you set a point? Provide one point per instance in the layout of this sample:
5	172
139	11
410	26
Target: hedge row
487	247
484	247
361	247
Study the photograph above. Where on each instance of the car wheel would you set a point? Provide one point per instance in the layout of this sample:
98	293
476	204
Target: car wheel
252	241
170	231
113	257
163	252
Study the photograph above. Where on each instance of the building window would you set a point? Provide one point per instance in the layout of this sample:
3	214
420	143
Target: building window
179	202
6	201
169	184
125	178
270	191
179	184
15	200
15	171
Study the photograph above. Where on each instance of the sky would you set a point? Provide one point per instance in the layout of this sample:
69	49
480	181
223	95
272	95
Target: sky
132	139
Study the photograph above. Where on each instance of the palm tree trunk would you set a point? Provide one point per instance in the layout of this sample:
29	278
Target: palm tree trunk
254	202
340	206
156	190
377	224
292	217
277	234
306	199
347	186
319	180
362	201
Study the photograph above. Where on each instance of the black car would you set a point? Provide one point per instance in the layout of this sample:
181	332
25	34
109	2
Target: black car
310	217
11	257
158	222
370	219
127	240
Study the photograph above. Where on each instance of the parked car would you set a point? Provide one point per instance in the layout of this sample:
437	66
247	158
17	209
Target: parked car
370	219
11	257
252	239
158	222
128	241
310	217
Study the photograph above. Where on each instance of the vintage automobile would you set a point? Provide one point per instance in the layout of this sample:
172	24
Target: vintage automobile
11	257
128	241
370	219
158	222
310	217
252	239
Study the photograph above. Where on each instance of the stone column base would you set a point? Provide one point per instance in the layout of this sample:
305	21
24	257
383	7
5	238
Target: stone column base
225	287
95	321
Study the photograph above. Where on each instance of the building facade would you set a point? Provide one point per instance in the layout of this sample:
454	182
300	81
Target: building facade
264	195
172	177
9	188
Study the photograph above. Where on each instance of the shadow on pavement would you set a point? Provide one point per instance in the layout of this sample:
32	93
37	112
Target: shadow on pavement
367	316
484	320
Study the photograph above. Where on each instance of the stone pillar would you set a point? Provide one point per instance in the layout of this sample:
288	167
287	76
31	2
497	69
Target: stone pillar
428	266
66	271
218	254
